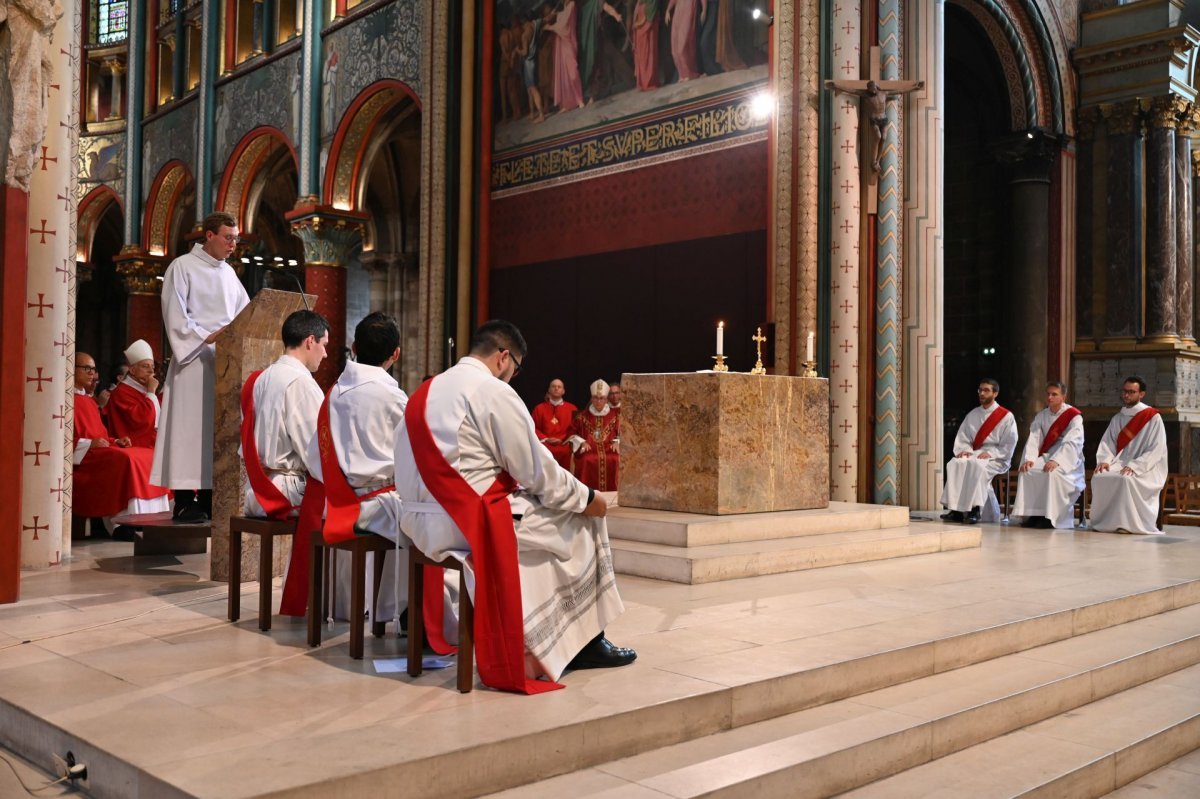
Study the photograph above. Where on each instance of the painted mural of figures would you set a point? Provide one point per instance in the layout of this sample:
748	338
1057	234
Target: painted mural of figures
329	94
682	17
531	30
612	70
717	50
568	89
509	39
547	45
646	18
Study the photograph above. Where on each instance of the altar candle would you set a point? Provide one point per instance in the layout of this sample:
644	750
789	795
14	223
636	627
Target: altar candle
720	338
809	349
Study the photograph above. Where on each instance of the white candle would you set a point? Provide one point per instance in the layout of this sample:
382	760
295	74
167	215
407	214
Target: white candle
809	349
720	338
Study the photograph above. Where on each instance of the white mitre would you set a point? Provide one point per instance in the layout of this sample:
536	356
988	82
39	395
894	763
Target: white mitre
138	351
599	389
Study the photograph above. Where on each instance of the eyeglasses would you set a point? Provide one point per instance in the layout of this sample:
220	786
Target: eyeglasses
88	369
519	364
231	239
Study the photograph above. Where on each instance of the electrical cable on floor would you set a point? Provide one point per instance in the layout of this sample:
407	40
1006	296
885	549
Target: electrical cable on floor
29	790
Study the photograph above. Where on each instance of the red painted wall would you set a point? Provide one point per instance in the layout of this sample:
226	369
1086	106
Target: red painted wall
14	235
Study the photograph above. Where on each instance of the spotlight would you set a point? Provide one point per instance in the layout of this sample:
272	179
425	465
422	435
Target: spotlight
758	15
762	105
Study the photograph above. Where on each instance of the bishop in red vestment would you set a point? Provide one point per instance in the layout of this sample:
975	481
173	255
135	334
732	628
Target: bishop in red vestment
133	407
596	437
552	422
110	475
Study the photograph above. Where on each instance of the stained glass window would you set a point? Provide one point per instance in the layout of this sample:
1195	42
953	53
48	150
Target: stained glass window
111	21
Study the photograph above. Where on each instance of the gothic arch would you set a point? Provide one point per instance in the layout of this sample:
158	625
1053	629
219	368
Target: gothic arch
345	181
254	150
166	192
91	210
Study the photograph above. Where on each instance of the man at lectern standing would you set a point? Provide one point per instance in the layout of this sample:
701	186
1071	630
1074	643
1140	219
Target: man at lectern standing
201	294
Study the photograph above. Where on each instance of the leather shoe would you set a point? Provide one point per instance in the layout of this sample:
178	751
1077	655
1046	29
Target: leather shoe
124	533
600	653
973	516
190	514
952	516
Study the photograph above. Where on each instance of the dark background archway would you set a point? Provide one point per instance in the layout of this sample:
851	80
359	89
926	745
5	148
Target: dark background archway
100	306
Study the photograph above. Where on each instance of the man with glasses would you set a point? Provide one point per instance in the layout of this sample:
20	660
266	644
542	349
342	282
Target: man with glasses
111	476
1131	466
133	407
477	485
201	294
983	449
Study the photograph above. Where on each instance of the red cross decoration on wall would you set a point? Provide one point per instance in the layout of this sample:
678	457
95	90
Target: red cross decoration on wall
35	527
38	453
44	232
41	305
39	380
44	157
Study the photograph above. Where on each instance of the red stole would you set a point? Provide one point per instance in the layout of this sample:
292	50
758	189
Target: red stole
989	425
273	502
1057	429
1134	426
342	511
486	522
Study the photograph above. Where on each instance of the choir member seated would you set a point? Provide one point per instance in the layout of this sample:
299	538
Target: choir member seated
111	475
552	421
596	438
133	407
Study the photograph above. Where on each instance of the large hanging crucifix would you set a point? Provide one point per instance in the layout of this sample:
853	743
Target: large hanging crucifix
876	92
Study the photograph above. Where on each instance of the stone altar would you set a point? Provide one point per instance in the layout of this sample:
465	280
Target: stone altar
723	442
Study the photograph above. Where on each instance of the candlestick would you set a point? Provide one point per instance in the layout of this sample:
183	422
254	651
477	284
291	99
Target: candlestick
809	349
720	338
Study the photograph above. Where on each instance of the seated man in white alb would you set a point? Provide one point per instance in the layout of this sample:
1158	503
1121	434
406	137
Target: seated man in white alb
1131	467
983	449
1052	466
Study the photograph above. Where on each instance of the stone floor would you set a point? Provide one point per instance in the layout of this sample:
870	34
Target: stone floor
130	663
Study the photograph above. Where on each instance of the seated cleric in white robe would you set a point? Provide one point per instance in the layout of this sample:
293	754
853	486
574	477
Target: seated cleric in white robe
1052	466
484	435
1131	467
983	449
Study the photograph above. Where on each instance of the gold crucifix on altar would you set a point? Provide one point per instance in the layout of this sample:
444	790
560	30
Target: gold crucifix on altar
758	338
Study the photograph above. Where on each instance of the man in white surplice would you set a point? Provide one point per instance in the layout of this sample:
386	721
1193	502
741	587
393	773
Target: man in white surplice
365	406
1052	464
1131	467
481	427
201	294
983	449
286	402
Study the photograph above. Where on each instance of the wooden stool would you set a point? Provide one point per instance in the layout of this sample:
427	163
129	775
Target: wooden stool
358	547
266	530
416	618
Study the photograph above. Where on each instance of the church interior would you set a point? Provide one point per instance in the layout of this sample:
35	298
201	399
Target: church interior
874	205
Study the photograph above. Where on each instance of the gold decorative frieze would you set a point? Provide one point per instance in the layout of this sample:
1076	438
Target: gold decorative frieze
330	236
141	273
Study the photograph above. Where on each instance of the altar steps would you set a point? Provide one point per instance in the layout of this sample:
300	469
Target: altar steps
1111	701
693	548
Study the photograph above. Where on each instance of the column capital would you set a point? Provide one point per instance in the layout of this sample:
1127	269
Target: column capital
329	235
1123	118
140	272
1087	120
1164	112
1196	163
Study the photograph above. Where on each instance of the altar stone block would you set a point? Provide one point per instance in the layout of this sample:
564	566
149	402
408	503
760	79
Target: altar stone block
721	442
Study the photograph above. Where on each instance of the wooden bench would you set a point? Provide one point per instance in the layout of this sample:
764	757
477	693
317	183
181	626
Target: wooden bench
358	547
416	619
162	535
266	530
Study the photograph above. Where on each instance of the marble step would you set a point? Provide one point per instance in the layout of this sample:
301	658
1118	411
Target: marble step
715	562
846	744
1179	779
1086	753
671	528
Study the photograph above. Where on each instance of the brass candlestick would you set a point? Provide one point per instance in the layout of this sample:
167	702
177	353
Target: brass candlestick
810	369
720	365
758	338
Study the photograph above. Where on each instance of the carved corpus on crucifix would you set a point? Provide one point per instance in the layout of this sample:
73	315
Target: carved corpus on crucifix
875	92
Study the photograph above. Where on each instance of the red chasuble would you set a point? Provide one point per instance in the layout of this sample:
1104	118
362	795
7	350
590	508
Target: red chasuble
109	476
554	421
1057	429
989	425
1133	427
131	415
597	469
487	524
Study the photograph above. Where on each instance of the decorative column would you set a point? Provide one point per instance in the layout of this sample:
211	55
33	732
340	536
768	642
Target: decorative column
1195	250
1161	290
1085	249
1184	265
330	237
210	38
49	349
142	276
1123	223
134	107
309	151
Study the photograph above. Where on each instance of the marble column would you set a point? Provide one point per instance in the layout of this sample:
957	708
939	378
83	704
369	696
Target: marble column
1195	226
1161	290
1085	249
142	276
330	238
1123	222
1184	265
134	107
377	267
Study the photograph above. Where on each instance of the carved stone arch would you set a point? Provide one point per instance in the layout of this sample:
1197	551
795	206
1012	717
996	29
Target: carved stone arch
167	194
92	209
249	156
350	152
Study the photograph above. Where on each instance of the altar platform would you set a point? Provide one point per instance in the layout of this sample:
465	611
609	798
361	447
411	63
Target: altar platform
1042	663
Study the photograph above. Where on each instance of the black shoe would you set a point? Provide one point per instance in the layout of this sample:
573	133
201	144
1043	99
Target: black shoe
1043	523
973	516
124	533
952	516
600	653
190	514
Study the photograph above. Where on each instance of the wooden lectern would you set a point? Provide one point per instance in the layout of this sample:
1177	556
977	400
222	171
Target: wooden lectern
250	342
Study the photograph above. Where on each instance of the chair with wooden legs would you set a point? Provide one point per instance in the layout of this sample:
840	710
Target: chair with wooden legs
416	618
266	530
358	547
